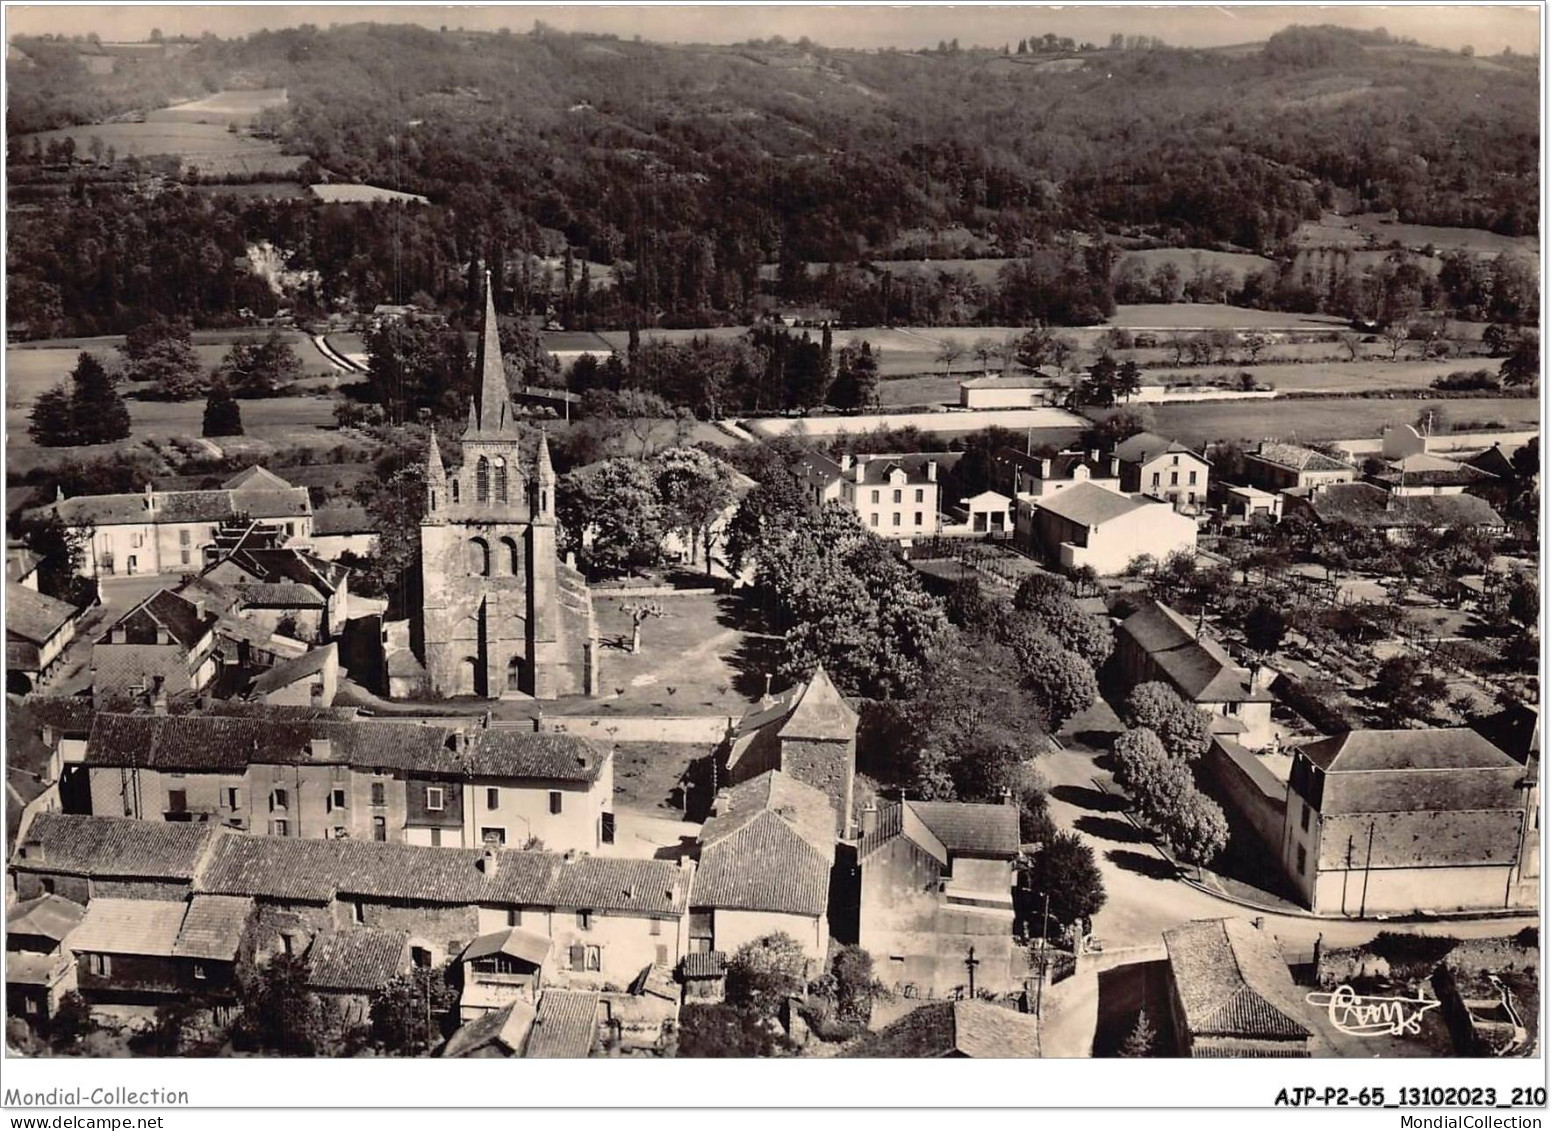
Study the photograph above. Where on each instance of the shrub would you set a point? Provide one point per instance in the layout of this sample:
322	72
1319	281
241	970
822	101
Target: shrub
1314	700
1411	957
727	1031
853	975
765	971
1468	379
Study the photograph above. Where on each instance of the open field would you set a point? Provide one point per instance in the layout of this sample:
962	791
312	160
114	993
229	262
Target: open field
363	194
263	190
920	390
694	660
1333	376
278	420
210	148
32	368
240	106
1057	423
1336	419
1212	316
1376	233
1478	240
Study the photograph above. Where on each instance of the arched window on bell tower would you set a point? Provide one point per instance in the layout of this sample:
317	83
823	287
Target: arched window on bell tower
500	480
453	484
482	480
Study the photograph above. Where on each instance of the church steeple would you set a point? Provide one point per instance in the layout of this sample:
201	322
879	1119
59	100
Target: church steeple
544	481
490	412
435	480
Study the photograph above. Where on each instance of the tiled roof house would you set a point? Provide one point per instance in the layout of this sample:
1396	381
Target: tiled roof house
1400	821
1157	643
765	861
1231	994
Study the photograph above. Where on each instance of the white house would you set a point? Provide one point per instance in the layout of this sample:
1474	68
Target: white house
989	512
895	496
765	860
1091	526
167	531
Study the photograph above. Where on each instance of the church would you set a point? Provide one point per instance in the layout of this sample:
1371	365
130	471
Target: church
502	615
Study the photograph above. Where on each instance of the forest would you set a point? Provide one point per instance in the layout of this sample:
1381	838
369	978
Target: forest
686	169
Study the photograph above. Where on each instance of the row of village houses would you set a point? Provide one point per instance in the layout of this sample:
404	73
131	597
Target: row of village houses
1051	504
368	845
287	830
1103	509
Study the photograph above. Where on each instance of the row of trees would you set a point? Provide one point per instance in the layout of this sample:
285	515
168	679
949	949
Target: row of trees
1153	763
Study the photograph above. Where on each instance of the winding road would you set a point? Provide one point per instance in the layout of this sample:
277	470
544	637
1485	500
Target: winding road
1144	897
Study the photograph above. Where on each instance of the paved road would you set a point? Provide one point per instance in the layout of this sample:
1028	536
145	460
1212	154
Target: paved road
1144	900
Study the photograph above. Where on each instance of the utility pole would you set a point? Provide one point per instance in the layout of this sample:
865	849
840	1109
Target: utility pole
1362	907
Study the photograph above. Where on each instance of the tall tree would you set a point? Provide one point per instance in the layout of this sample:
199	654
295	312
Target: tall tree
160	353
1182	727
99	413
260	367
696	490
611	515
223	416
1065	870
51	423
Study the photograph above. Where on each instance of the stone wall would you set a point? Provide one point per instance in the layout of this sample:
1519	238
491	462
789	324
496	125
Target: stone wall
826	766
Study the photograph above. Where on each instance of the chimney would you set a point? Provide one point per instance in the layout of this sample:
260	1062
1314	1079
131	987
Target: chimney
870	818
59	494
1260	677
199	608
322	749
150	500
489	861
845	462
931	471
1114	467
1006	796
158	695
1044	469
1093	456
